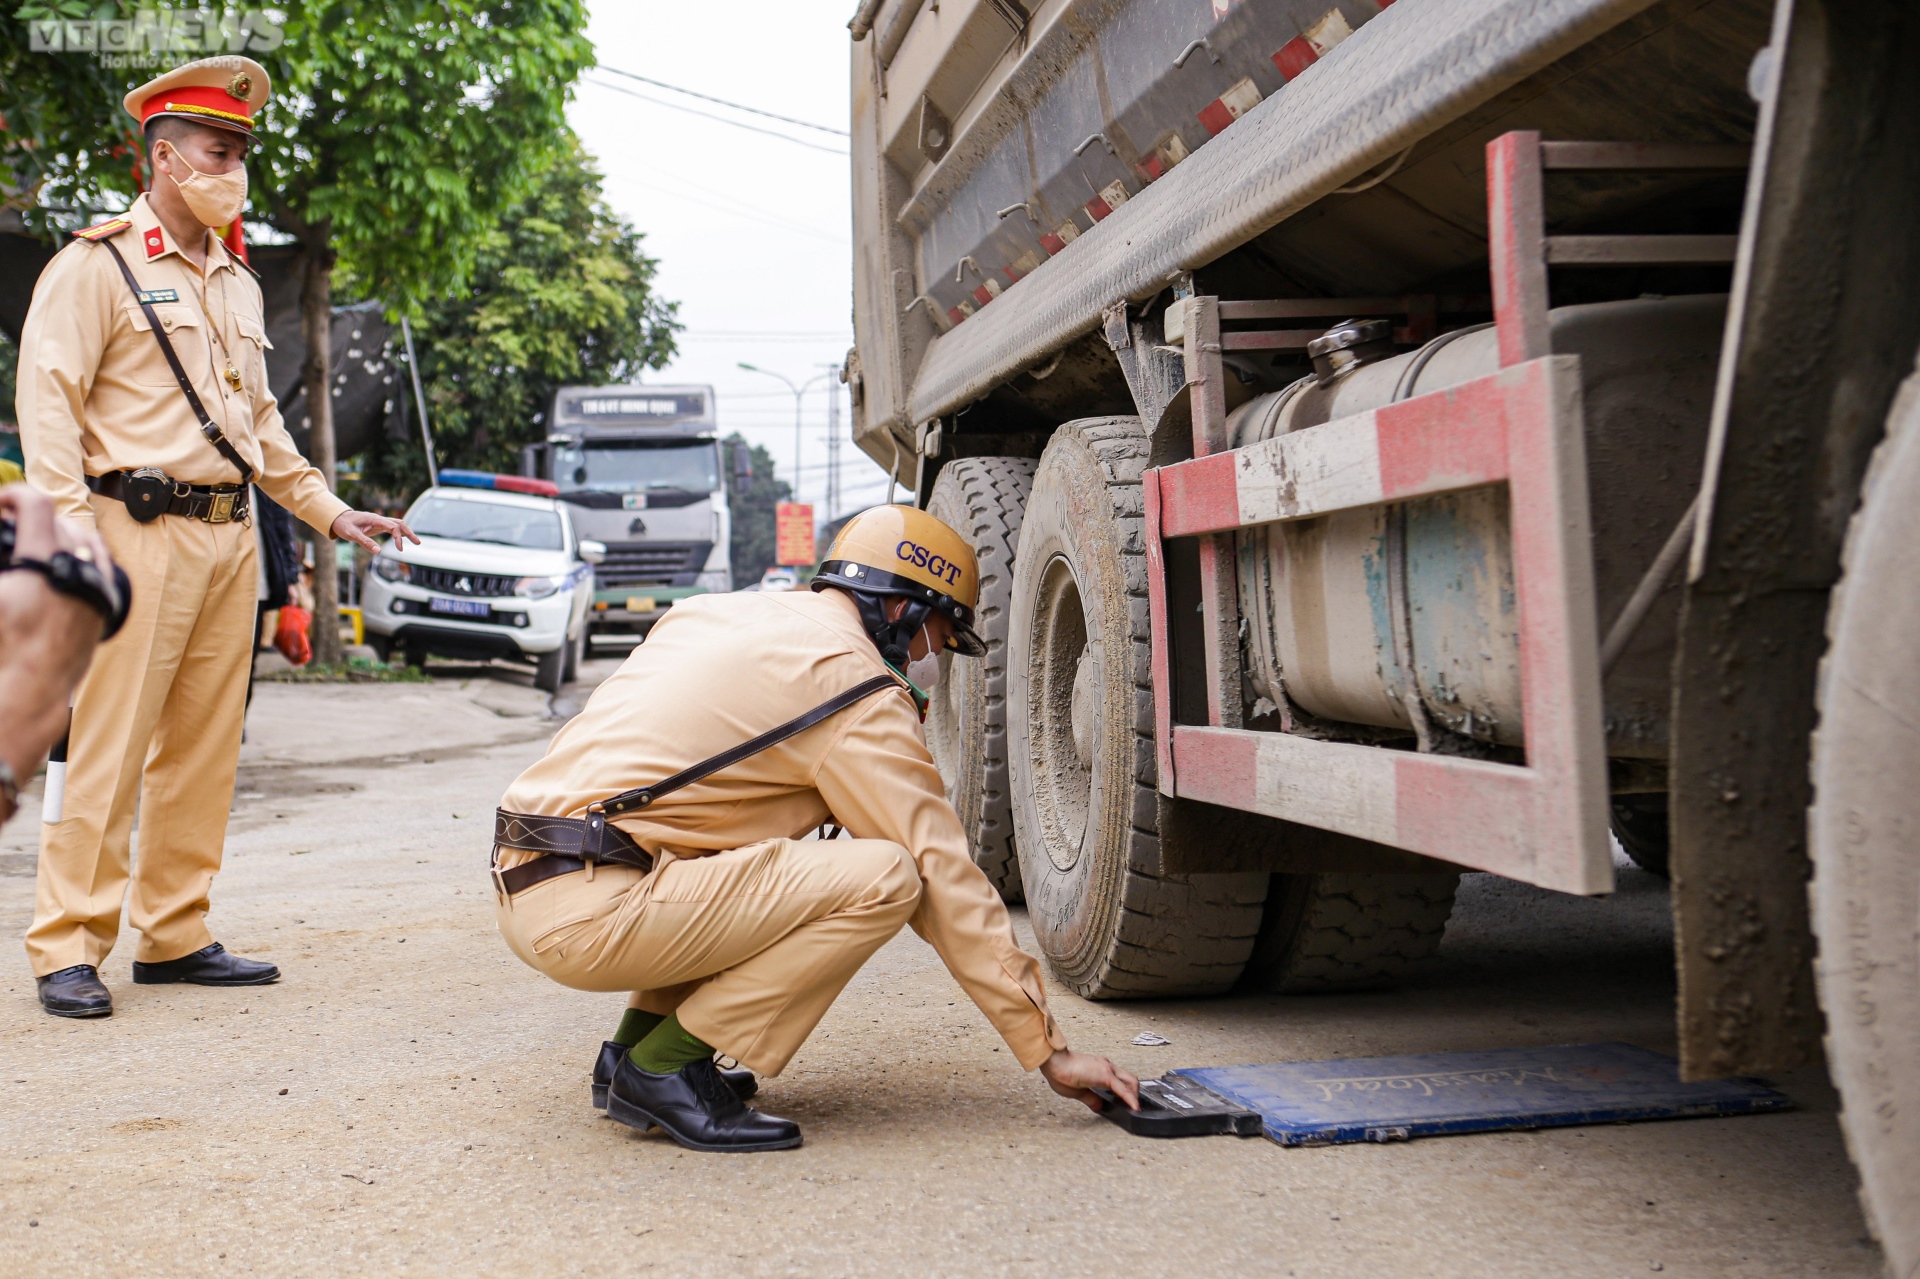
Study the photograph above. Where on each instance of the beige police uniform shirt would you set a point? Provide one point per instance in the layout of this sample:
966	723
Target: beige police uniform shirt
96	395
720	669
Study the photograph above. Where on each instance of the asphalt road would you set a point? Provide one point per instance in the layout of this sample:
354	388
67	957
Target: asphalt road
410	1099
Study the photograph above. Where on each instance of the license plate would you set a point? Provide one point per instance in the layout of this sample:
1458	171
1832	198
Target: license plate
459	608
639	603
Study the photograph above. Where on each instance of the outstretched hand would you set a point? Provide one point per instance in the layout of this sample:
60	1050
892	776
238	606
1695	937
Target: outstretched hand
1076	1075
361	527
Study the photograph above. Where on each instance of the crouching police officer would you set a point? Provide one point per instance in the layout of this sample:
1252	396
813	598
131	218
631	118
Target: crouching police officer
655	848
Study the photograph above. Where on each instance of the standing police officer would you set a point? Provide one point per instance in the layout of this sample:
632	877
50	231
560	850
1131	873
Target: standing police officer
144	409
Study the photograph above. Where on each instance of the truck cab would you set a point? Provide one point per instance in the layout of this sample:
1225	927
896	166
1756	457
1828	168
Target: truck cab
641	469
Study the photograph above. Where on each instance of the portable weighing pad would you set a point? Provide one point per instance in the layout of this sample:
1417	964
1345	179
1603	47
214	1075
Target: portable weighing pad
1301	1103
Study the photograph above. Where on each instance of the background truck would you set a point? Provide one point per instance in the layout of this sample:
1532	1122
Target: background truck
1405	438
641	467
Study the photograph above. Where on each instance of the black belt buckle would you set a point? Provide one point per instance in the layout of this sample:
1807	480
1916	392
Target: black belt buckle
147	492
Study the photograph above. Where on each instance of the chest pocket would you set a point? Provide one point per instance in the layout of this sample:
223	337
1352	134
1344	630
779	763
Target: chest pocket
253	351
181	323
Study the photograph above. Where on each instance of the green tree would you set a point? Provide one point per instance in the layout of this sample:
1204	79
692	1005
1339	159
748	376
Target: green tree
400	133
67	149
751	499
561	295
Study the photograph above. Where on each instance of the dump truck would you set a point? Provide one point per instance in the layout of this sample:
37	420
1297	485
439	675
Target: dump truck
640	465
1411	438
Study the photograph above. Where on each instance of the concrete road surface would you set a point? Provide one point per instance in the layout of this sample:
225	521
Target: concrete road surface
410	1099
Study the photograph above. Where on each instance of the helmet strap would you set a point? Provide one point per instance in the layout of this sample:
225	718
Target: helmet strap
894	638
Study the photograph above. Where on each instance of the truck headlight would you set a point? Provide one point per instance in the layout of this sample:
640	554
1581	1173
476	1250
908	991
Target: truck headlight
538	588
391	570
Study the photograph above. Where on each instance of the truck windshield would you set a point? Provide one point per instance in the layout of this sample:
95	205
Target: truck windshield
633	466
486	522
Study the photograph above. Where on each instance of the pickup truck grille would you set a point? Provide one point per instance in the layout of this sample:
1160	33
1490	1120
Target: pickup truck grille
451	582
651	563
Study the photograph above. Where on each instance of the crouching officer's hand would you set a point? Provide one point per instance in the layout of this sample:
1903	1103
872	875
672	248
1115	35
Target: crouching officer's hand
1076	1075
361	527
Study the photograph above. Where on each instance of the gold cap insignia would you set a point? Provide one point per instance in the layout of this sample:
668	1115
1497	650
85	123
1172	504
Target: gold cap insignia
240	86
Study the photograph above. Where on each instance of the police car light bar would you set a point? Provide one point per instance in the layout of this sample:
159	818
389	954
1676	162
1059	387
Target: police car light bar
504	483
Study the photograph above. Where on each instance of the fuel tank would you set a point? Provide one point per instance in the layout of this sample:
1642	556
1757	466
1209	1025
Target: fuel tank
1321	595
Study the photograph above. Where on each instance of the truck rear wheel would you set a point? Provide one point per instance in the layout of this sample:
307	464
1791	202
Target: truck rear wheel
1864	835
1639	822
983	499
1340	931
1080	740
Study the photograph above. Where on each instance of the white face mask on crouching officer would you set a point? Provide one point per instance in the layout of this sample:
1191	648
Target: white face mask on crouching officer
900	552
215	198
924	672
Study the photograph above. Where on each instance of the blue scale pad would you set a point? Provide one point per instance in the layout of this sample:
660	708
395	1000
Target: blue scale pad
1434	1094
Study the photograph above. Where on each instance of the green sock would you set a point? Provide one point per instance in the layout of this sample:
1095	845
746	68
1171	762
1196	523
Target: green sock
667	1048
634	1025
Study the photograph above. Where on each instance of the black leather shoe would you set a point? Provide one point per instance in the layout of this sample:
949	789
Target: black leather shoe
76	992
696	1108
742	1082
208	966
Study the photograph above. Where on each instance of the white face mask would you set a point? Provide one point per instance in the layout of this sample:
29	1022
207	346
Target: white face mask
214	198
925	671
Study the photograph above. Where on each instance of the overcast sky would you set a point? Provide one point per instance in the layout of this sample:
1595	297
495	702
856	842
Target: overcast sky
751	231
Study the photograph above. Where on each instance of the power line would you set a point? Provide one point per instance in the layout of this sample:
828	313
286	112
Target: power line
707	115
746	211
704	97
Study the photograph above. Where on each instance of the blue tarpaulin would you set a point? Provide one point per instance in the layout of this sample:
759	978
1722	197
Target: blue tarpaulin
1434	1094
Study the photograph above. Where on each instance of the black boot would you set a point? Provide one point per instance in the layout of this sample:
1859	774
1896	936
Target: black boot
696	1108
75	992
742	1082
208	966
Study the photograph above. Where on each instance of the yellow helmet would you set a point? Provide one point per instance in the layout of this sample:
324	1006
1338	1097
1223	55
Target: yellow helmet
902	550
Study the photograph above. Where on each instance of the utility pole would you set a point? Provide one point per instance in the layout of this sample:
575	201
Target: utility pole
833	443
799	390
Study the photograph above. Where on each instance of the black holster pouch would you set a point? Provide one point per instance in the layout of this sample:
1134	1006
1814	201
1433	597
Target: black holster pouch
147	492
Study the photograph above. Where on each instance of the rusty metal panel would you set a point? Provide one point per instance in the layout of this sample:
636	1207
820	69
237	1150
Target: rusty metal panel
1824	322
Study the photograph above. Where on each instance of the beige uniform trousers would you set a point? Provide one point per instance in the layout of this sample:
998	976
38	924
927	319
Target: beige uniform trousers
750	947
156	720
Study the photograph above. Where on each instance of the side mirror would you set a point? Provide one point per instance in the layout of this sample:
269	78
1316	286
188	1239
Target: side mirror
742	465
592	552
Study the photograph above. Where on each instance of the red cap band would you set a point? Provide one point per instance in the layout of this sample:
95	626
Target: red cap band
216	106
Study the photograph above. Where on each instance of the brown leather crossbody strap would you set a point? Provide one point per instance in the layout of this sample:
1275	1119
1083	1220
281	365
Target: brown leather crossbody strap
641	796
214	435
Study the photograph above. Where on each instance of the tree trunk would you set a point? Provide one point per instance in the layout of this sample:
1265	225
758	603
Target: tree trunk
316	323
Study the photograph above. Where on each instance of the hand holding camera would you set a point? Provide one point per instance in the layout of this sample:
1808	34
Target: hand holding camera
60	594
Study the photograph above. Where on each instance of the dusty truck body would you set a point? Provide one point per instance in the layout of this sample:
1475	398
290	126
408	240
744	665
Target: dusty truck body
1415	437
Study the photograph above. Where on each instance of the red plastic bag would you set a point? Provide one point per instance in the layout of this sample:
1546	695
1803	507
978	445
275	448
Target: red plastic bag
291	637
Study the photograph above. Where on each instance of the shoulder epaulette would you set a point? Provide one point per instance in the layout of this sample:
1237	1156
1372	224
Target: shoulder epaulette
105	229
244	265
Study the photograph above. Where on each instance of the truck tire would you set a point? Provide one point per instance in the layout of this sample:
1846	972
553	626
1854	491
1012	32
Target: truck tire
1864	837
983	498
574	648
1080	739
1639	822
1341	931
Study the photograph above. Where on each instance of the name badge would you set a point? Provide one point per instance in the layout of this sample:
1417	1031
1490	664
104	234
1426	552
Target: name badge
158	295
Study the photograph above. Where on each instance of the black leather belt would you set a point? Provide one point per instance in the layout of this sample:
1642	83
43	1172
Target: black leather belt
216	503
561	840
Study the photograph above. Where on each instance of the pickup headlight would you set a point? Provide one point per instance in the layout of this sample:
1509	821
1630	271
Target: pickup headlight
389	569
538	588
